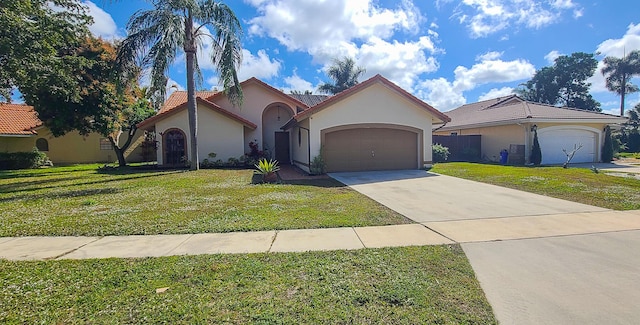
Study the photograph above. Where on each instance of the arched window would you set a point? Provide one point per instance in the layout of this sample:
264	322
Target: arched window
42	144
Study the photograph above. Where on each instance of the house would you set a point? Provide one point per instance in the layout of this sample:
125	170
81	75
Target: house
508	123
374	125
21	130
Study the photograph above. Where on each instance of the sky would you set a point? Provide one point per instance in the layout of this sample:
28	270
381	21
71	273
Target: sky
447	53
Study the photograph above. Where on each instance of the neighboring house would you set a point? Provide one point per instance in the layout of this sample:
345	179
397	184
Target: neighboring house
21	130
508	123
374	125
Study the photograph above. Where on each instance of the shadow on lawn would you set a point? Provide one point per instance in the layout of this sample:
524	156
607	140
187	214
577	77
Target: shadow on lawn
30	186
64	194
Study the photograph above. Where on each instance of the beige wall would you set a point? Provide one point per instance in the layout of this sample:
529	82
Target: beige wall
300	151
216	133
496	138
256	100
376	104
73	148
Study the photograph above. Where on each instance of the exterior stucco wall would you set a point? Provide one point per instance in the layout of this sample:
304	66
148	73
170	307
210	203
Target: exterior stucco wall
256	100
300	150
496	138
73	147
376	104
216	133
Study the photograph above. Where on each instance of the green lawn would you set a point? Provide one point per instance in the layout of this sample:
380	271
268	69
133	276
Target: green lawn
81	200
573	184
411	285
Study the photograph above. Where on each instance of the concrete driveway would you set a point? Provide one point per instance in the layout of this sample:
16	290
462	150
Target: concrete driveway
539	260
425	197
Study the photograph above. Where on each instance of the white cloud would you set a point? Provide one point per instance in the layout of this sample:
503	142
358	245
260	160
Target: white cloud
614	47
440	94
495	93
360	29
294	82
552	56
446	95
494	70
259	66
486	17
103	24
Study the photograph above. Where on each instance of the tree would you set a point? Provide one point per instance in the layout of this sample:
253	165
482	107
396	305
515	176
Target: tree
91	101
564	83
536	152
32	37
344	74
158	34
618	73
300	92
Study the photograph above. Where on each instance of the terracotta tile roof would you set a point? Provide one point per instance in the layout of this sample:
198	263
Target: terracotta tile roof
18	119
513	109
177	98
375	79
180	97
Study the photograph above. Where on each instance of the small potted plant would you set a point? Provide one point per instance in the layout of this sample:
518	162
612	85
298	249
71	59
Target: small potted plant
268	169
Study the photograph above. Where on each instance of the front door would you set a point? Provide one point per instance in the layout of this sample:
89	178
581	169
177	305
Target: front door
174	147
282	148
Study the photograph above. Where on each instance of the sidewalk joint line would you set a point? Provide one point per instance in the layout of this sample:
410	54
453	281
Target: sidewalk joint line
73	250
273	240
357	235
439	233
176	247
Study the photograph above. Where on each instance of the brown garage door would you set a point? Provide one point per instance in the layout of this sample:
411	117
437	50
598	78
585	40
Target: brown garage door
370	149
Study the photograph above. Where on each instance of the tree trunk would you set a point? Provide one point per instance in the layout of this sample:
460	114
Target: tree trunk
190	51
119	151
623	90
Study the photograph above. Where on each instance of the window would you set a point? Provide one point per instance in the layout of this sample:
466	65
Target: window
105	144
42	144
454	133
299	137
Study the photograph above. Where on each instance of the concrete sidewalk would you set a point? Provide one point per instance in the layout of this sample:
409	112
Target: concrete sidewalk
299	240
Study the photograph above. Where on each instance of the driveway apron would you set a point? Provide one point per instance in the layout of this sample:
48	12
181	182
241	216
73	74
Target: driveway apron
425	197
539	260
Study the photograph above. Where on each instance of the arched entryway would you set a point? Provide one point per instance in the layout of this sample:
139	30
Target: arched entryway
274	139
174	147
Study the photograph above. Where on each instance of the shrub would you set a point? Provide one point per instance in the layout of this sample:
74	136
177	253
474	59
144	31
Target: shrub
607	147
22	160
440	152
536	152
255	154
317	165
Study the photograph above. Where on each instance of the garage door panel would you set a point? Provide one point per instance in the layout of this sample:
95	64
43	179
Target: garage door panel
552	142
370	149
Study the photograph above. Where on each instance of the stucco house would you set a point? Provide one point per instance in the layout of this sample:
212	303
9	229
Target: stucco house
21	130
374	125
508	122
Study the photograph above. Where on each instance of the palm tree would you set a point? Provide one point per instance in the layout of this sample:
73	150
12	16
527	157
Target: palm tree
619	72
344	73
156	36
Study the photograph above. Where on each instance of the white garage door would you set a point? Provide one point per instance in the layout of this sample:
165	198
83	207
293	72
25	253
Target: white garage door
553	141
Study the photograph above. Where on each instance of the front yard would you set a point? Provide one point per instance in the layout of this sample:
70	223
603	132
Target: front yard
573	184
81	200
411	285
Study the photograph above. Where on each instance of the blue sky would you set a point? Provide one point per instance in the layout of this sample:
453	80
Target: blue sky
445	52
